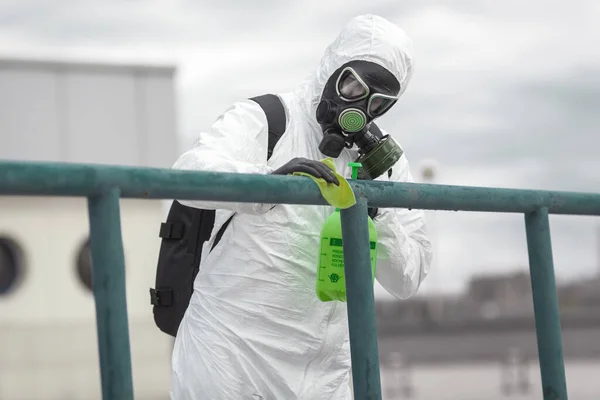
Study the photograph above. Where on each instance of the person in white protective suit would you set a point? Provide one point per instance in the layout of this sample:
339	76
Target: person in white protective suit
254	328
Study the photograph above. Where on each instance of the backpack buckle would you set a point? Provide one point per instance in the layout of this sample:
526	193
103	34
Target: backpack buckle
169	230
162	297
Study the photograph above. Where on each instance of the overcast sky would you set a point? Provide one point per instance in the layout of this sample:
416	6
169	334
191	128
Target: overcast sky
505	93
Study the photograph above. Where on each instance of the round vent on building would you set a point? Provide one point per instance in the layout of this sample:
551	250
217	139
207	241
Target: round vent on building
84	265
11	265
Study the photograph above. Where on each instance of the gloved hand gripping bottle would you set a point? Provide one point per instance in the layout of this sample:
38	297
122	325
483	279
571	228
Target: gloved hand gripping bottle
331	282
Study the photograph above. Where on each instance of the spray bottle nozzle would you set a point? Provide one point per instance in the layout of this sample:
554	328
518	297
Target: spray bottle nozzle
355	166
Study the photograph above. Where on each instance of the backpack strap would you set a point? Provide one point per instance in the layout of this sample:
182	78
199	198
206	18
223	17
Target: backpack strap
184	234
276	118
277	123
374	129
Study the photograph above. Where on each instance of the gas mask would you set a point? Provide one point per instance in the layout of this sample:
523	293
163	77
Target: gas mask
356	94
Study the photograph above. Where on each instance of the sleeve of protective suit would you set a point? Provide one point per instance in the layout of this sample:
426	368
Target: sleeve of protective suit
404	253
236	142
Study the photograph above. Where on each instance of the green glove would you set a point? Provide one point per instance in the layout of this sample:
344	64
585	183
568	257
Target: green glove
340	196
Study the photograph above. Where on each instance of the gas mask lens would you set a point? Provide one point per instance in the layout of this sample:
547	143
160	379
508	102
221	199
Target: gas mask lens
350	87
380	103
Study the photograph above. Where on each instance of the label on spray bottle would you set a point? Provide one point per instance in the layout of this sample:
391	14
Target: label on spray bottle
331	283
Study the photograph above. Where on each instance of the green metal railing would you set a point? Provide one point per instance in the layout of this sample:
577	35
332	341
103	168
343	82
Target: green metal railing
105	185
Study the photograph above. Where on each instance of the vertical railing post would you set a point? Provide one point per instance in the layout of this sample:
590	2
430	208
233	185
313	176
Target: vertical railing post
108	268
361	302
545	304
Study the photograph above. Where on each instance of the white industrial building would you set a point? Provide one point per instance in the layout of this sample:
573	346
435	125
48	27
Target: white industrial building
84	113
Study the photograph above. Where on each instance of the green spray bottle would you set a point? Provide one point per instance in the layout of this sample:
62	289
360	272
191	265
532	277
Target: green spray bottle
331	282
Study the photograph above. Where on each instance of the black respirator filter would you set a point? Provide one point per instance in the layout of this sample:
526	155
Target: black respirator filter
332	144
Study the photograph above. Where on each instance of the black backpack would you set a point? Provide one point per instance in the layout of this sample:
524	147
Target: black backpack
184	233
186	230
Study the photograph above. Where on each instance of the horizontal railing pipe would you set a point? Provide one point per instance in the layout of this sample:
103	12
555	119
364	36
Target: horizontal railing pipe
63	179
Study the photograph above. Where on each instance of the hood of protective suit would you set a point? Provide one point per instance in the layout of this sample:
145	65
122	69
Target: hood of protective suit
368	38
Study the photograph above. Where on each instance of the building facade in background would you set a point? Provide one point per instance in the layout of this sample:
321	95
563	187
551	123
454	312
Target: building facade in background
83	113
481	344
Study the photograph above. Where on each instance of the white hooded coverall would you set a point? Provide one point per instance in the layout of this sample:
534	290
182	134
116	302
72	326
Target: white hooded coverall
254	328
